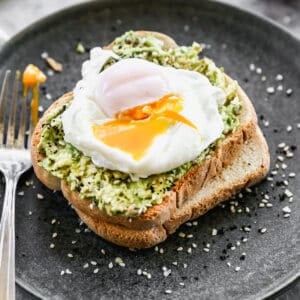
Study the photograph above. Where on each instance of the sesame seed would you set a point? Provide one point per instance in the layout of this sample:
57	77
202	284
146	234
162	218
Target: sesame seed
74	242
281	145
21	193
194	245
44	55
244	240
161	250
289	128
50	73
284	166
156	248
289	154
237	269
94	263
214	232
48	96
175	263
286	215
96	271
39	196
288	193
110	265
280	88
184	266
179	249
263	78
139	272
270	90
298	125
269	205
279	77
149	276
86	265
292	175
68	271
238	243
53	221
102	251
258	70
189	250
77	230
266	123
289	92
181	234
262	230
286	209
189	224
52	246
246	229
62	272
168	291
280	158
228	264
261	205
252	67
54	235
166	272
181	283
195	223
206	249
189	236
70	255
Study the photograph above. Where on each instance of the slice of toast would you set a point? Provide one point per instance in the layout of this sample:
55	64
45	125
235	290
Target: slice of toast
240	160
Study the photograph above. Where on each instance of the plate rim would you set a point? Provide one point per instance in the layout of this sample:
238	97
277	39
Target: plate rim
272	289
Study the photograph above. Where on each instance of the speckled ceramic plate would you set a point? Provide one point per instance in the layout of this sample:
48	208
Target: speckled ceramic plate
236	263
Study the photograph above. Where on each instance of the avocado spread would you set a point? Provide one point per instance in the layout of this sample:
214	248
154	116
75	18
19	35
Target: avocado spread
115	192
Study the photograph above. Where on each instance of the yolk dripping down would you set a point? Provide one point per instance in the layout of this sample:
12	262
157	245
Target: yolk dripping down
32	77
134	130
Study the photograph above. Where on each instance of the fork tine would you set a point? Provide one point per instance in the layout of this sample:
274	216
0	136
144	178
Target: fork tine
3	96
12	117
22	128
31	127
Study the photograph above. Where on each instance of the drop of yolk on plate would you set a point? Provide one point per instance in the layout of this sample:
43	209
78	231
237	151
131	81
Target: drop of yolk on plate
32	77
134	130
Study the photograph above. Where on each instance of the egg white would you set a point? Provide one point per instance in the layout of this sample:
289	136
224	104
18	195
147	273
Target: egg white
178	145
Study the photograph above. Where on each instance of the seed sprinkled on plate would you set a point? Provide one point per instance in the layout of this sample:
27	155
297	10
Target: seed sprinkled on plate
40	196
262	230
86	265
289	92
270	90
286	209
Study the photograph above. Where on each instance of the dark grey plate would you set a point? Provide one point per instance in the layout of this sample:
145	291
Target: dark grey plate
272	259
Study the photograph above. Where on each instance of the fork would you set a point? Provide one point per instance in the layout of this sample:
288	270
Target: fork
14	161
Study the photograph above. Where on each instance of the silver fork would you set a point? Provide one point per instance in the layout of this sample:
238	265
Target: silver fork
14	160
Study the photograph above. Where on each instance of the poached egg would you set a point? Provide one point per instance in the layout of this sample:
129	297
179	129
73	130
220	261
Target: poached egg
141	118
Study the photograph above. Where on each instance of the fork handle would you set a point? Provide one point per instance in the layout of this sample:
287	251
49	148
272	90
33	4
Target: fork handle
7	239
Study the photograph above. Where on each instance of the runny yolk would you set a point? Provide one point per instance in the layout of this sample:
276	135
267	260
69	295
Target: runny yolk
134	130
32	77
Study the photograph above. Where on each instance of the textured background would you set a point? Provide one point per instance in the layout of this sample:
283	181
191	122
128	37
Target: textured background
13	19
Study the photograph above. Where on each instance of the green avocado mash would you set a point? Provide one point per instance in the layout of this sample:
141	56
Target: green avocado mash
115	192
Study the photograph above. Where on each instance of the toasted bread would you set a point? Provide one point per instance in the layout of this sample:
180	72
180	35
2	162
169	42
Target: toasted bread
240	160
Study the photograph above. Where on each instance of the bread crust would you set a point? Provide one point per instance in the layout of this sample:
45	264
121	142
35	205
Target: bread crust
180	205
